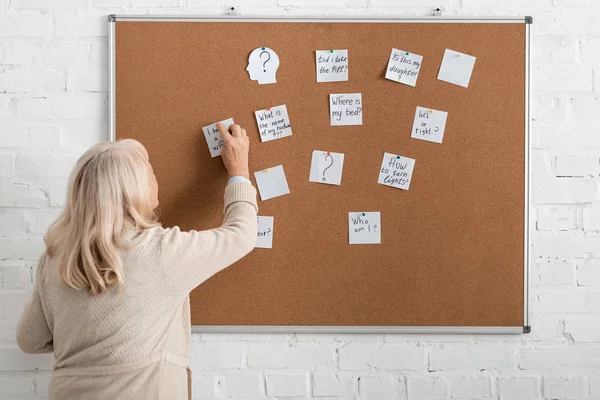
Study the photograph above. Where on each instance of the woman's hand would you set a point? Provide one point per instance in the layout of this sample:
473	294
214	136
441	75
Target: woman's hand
235	150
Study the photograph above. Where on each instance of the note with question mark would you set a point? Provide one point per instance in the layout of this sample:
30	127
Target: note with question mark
264	236
429	125
332	65
263	63
326	167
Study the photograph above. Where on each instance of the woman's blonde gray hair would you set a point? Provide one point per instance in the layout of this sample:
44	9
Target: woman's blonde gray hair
109	193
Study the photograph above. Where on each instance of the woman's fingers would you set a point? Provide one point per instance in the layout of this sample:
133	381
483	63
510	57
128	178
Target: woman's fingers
224	132
244	134
236	130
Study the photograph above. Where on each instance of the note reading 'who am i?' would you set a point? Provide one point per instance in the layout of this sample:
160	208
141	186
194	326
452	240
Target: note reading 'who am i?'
273	123
396	171
332	65
345	109
364	228
429	125
213	137
404	67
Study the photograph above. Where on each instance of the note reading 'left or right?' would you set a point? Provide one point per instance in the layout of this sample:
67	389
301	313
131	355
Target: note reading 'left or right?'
213	137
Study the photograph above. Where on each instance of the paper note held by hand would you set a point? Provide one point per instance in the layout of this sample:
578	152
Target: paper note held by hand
396	171
345	109
404	67
332	65
364	227
326	167
456	68
273	123
213	137
271	182
264	236
429	125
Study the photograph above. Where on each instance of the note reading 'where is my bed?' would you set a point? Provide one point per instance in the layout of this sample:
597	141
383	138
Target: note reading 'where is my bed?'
345	109
364	227
271	182
273	123
429	124
332	65
456	68
213	137
264	235
396	171
404	67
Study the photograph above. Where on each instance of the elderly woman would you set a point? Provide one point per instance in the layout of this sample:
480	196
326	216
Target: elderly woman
111	299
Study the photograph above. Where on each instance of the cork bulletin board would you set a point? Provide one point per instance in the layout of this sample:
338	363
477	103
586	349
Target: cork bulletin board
453	252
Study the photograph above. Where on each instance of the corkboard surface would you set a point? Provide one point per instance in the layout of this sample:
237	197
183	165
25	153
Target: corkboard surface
452	246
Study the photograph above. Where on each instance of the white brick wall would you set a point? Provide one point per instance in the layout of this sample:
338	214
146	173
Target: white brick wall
53	98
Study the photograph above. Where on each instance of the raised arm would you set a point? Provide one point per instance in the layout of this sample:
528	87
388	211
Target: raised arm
190	258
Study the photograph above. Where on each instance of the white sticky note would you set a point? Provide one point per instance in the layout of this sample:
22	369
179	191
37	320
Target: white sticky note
345	109
404	67
326	167
396	171
429	125
273	123
264	236
332	65
364	227
213	137
456	68
271	182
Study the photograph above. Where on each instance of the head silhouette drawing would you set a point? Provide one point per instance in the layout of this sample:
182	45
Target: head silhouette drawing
262	65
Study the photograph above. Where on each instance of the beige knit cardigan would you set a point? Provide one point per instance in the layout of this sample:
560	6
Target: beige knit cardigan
133	343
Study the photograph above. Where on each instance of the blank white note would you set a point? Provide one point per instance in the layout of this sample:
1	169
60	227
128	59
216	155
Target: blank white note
213	137
326	167
271	182
456	68
429	124
264	236
364	227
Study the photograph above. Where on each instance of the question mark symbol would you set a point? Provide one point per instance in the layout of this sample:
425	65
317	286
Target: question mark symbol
267	60
329	166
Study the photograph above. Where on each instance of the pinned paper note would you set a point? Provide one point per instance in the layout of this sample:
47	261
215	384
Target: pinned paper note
364	227
271	182
326	167
345	109
273	123
213	137
429	124
404	67
264	236
456	68
262	65
396	171
332	65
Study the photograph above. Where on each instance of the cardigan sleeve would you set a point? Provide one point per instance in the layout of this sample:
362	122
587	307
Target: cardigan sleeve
190	258
33	333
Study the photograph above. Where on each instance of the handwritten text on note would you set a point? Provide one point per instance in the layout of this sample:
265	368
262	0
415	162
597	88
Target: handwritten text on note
264	236
345	109
396	171
404	67
213	137
273	123
332	65
429	125
364	227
